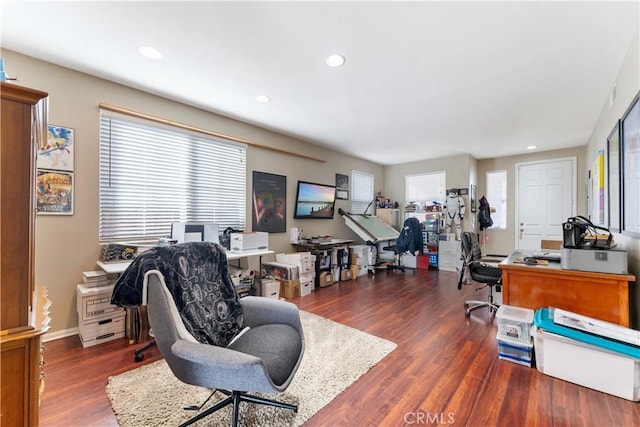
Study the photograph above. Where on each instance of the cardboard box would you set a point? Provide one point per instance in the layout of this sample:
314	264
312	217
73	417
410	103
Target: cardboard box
355	271
325	279
345	274
408	260
102	330
250	241
92	303
290	288
270	288
514	323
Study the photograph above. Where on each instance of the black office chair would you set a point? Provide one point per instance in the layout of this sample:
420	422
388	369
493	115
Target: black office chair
479	271
410	241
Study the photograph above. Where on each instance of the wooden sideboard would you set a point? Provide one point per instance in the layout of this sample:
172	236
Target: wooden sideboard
599	295
24	314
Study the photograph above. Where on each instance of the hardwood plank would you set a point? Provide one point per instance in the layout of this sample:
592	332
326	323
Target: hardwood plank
445	368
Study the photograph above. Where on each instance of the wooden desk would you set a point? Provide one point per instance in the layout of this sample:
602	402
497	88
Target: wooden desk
602	296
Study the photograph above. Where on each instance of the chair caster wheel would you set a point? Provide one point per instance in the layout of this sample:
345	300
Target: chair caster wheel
139	357
467	314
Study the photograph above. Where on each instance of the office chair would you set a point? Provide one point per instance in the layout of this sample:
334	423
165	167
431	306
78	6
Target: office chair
479	271
209	337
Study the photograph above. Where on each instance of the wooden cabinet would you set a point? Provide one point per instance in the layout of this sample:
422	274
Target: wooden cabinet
23	308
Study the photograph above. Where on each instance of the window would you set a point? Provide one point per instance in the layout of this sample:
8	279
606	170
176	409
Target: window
497	197
424	189
152	175
361	192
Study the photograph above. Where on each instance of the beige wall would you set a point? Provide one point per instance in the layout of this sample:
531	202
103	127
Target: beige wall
68	245
627	86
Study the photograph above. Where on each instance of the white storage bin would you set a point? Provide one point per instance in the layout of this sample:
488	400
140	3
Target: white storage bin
102	330
270	288
514	323
306	287
587	365
92	303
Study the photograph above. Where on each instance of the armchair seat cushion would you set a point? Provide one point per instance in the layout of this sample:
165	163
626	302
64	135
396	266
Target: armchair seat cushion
277	345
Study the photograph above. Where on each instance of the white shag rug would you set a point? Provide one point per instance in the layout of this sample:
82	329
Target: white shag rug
335	357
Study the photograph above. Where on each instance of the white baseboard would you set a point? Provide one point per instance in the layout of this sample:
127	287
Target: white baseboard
51	336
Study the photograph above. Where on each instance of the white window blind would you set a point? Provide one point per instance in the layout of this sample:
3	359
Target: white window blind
424	189
361	192
152	175
497	197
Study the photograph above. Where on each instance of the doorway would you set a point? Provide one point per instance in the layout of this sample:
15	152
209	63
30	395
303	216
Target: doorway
545	198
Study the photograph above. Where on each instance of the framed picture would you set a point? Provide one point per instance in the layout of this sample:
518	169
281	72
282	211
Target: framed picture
597	189
630	147
342	194
342	181
57	152
54	192
473	198
613	179
269	202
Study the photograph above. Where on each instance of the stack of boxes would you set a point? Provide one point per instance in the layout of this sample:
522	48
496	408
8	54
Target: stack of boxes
305	262
515	342
362	258
98	320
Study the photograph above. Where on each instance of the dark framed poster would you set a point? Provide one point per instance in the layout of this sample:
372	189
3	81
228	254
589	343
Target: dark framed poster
269	196
631	169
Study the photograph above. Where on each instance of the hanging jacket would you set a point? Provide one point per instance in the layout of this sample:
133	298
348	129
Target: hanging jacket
410	238
484	214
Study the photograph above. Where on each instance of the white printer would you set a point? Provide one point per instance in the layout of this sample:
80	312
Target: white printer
596	260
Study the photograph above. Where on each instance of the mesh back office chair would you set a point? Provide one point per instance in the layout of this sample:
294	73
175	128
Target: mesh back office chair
479	271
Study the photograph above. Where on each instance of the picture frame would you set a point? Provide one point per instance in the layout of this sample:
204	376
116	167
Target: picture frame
54	192
597	189
630	148
269	202
342	194
614	180
57	151
473	198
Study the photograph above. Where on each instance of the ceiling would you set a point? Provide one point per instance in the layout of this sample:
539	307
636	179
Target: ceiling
421	79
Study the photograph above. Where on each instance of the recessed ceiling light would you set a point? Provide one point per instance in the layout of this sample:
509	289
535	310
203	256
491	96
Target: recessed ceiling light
335	60
531	147
262	98
150	52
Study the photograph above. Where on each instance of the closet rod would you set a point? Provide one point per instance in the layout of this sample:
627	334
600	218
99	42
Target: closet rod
139	115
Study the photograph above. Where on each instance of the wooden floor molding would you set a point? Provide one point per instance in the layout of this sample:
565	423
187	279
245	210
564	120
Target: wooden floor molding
445	369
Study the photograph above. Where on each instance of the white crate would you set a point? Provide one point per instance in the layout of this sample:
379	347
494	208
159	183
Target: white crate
304	260
270	288
515	323
249	241
93	303
102	330
306	287
587	365
515	350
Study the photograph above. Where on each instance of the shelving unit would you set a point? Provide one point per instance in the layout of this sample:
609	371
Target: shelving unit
431	225
331	256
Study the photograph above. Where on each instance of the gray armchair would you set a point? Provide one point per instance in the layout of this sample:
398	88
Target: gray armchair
256	346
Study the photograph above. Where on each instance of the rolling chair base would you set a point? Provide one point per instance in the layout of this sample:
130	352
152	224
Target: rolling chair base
471	305
234	398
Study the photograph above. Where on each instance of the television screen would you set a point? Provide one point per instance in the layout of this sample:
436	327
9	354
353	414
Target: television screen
314	201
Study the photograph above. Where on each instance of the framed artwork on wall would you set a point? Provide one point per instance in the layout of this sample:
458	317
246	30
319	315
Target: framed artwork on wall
613	179
57	152
54	192
473	198
630	147
269	202
342	187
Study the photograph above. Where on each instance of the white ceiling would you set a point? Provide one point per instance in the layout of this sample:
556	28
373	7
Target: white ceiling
422	79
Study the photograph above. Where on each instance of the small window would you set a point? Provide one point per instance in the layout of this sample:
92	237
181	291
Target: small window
361	192
497	197
424	189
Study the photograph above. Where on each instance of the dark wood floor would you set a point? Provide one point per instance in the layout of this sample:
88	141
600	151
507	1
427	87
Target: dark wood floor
445	369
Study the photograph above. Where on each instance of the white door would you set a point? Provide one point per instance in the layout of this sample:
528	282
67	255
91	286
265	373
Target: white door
545	198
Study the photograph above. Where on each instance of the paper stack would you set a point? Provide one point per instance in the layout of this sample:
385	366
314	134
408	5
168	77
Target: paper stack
94	279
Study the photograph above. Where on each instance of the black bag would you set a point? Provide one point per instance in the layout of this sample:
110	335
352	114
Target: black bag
579	232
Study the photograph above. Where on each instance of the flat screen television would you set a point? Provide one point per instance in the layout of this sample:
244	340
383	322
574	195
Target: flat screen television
314	201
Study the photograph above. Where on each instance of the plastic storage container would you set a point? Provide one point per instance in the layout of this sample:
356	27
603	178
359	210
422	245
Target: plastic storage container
586	359
515	350
515	323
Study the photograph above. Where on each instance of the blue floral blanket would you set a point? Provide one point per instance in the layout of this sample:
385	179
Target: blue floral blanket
197	276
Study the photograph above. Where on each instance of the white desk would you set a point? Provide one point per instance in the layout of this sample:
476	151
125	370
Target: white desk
119	267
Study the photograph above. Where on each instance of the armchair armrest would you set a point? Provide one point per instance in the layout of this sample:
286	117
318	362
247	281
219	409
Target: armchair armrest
261	311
